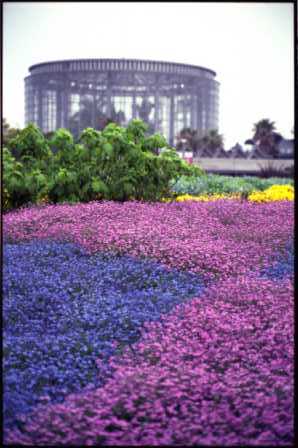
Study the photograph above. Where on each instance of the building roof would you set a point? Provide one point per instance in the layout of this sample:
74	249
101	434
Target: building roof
121	64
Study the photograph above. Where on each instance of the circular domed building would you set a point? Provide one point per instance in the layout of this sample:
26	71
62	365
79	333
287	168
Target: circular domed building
80	93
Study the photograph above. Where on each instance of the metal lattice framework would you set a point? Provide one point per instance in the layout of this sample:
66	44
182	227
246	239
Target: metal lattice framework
76	94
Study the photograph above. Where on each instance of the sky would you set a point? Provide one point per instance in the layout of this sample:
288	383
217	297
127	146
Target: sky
250	46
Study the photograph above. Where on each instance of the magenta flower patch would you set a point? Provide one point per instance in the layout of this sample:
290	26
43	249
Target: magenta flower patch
216	369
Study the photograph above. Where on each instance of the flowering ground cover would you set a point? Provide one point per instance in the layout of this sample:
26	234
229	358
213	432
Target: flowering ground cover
139	323
217	239
64	311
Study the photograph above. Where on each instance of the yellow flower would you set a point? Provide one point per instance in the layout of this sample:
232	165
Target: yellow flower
207	197
273	193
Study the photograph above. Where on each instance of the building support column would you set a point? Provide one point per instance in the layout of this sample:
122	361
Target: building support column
94	110
194	111
185	107
134	106
156	105
172	116
109	94
59	111
199	107
40	111
65	109
156	111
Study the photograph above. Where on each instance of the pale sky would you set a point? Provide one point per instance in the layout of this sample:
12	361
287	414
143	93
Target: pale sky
249	45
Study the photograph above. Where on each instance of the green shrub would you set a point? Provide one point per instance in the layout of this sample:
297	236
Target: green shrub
129	164
115	164
30	145
26	163
22	182
12	180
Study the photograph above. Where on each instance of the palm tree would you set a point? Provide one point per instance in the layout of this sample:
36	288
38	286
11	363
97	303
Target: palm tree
187	137
265	138
90	113
212	143
143	112
262	128
208	145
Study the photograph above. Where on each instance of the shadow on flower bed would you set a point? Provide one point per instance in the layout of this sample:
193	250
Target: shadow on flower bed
64	309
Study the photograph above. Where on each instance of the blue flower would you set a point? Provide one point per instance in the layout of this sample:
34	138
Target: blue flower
63	309
283	267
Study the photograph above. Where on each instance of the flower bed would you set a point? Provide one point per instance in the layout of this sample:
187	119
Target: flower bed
64	310
218	184
273	193
139	323
206	197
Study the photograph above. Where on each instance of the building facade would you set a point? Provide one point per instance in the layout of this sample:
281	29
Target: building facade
76	94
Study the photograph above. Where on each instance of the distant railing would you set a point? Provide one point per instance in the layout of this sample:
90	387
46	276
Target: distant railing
237	162
249	167
238	153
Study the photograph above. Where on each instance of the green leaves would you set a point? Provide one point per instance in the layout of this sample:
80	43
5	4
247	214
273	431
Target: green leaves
30	141
107	149
116	164
90	138
98	186
62	140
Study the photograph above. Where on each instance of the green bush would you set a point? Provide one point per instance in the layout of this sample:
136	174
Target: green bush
26	162
124	163
24	181
30	145
115	164
12	180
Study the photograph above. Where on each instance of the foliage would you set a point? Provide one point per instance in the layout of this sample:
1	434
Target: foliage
217	184
269	169
196	141
91	112
12	179
116	164
8	132
30	146
26	162
23	180
265	138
